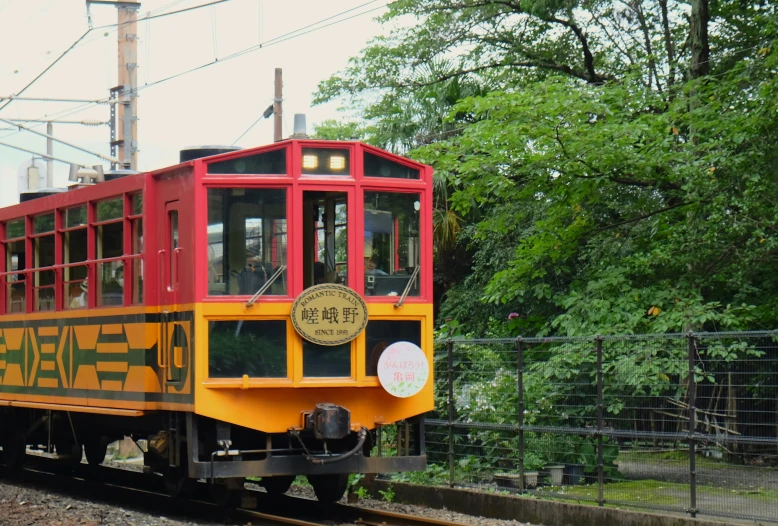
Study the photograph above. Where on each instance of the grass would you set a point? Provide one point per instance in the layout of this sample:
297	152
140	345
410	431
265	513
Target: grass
655	493
640	492
674	456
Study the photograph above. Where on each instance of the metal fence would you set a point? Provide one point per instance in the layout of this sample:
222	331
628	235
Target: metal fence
674	422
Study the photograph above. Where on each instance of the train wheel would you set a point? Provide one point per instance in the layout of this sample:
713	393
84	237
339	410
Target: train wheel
329	488
95	449
177	483
277	485
14	448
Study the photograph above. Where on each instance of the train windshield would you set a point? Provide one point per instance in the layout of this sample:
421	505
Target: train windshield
246	240
391	244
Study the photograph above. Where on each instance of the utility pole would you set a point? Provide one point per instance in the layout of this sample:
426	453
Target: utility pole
125	117
128	80
277	115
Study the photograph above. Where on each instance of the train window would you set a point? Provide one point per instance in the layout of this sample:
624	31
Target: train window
380	334
43	257
325	161
266	163
137	204
15	253
74	250
15	229
109	243
137	263
320	361
253	348
325	238
376	166
173	246
43	224
391	244
112	209
246	240
75	217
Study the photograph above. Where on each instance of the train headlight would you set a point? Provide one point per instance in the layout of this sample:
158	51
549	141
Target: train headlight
337	163
311	162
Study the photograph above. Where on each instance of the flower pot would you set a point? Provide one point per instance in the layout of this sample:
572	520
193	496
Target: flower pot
573	474
556	473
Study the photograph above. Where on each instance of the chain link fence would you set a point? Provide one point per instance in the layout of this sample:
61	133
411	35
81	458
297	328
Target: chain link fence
674	422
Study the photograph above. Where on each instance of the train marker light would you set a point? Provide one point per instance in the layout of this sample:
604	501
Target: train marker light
337	162
310	162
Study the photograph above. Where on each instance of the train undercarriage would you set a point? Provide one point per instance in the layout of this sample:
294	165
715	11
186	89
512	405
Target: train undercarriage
185	448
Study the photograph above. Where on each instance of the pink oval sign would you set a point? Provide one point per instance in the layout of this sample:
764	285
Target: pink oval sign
403	369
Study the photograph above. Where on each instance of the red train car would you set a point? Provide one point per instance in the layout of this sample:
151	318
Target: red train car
254	313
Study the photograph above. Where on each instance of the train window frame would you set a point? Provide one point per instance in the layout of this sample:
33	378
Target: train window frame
386	179
73	299
405	186
36	240
133	263
99	295
216	382
288	189
20	274
351	168
244	155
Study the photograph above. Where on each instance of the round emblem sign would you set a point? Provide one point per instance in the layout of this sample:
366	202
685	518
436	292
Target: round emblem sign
329	314
403	369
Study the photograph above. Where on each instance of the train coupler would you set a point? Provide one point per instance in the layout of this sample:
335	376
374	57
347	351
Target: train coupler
329	422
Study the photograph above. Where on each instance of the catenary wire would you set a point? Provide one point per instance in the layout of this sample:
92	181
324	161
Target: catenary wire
273	41
75	44
276	40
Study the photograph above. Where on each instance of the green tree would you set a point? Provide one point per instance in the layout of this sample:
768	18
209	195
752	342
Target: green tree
616	176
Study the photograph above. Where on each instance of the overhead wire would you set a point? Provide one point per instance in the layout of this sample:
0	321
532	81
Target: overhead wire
117	25
316	26
33	81
247	130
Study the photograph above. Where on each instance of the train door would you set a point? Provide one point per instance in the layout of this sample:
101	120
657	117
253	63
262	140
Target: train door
173	342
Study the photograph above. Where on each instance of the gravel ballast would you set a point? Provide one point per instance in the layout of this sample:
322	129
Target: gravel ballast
24	505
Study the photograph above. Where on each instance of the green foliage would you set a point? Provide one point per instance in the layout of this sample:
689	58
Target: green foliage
637	229
354	487
387	494
362	493
588	184
435	474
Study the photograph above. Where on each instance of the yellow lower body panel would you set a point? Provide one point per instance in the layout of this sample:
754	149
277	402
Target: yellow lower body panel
276	404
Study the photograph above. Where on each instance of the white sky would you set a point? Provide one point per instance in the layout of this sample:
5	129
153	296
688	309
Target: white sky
214	105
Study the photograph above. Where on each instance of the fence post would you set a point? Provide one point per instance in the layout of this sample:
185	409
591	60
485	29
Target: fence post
692	428
520	419
600	466
450	351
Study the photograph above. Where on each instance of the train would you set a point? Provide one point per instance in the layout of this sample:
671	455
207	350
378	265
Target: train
261	312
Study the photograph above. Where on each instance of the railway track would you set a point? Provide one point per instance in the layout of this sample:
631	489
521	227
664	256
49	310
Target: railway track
115	486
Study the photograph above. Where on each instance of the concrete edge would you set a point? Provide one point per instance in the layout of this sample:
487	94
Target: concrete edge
533	510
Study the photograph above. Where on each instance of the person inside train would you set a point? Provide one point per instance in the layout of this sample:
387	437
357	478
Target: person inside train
80	301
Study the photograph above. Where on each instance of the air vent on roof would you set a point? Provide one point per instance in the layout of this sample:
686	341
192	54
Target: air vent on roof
196	152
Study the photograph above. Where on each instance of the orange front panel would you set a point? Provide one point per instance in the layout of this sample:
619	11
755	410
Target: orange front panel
275	405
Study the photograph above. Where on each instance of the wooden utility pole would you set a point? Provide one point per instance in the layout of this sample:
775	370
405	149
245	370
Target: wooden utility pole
124	99
277	115
128	81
